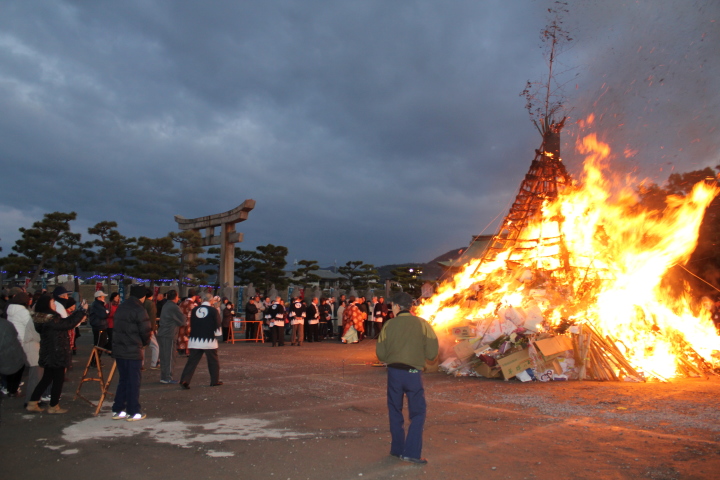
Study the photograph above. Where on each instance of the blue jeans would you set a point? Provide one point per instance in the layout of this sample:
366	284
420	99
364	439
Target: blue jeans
404	383
127	395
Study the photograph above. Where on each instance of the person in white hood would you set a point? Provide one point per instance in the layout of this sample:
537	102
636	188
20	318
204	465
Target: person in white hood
19	316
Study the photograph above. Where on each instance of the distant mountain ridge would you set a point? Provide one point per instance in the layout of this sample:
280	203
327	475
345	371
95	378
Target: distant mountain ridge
431	270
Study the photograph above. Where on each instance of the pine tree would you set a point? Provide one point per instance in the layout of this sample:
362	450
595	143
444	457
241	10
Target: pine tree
358	273
38	244
305	274
157	259
111	258
245	266
269	266
74	256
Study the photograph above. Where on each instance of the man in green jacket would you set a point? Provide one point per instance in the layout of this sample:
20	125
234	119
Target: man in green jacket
405	343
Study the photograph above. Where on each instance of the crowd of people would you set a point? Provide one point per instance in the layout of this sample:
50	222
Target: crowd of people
347	319
38	332
46	328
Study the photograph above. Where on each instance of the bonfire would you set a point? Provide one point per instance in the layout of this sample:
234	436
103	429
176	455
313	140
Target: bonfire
575	285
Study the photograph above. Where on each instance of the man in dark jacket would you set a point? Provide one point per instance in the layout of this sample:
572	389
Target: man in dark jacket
131	333
97	317
380	313
12	357
171	319
251	311
313	319
161	301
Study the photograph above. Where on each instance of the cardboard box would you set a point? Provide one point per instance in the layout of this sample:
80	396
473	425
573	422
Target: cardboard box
487	371
553	345
514	363
464	350
482	349
464	332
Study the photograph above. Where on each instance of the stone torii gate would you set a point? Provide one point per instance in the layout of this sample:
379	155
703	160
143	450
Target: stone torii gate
227	239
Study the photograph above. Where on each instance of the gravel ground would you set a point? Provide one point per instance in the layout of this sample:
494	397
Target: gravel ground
318	412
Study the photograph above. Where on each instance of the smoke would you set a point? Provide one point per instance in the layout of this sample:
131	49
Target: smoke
649	73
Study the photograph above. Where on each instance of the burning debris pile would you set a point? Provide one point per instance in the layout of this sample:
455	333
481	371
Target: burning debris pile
575	285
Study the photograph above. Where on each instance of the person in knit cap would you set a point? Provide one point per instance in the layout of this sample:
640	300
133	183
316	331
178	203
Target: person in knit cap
97	318
131	334
205	328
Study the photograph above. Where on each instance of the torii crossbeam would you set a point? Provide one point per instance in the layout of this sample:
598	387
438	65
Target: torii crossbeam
227	239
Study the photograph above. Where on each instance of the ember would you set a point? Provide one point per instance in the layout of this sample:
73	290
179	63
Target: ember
586	265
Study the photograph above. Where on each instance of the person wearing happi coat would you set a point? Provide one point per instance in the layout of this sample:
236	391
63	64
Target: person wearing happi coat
205	329
275	315
297	316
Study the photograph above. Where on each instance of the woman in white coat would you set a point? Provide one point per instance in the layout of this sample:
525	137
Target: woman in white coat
19	316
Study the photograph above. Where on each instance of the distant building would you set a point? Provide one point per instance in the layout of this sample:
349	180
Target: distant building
328	279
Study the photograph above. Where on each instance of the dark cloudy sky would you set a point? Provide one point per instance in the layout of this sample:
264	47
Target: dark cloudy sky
382	131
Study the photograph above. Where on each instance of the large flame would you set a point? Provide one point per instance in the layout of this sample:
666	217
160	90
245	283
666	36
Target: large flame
610	270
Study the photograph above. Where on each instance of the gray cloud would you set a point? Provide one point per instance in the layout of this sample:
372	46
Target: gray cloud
382	131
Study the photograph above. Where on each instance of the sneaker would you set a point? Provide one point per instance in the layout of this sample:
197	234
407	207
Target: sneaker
136	417
156	367
216	384
174	382
185	385
419	461
45	398
119	416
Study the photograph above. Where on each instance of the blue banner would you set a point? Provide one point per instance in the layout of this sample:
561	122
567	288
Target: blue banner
290	292
239	304
121	291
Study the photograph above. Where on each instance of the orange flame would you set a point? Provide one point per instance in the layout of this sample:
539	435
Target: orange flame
611	272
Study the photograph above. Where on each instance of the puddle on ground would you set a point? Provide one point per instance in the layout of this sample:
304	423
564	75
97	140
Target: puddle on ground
182	434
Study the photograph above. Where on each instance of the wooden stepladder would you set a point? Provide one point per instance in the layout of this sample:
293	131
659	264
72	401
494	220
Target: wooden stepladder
104	383
235	336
